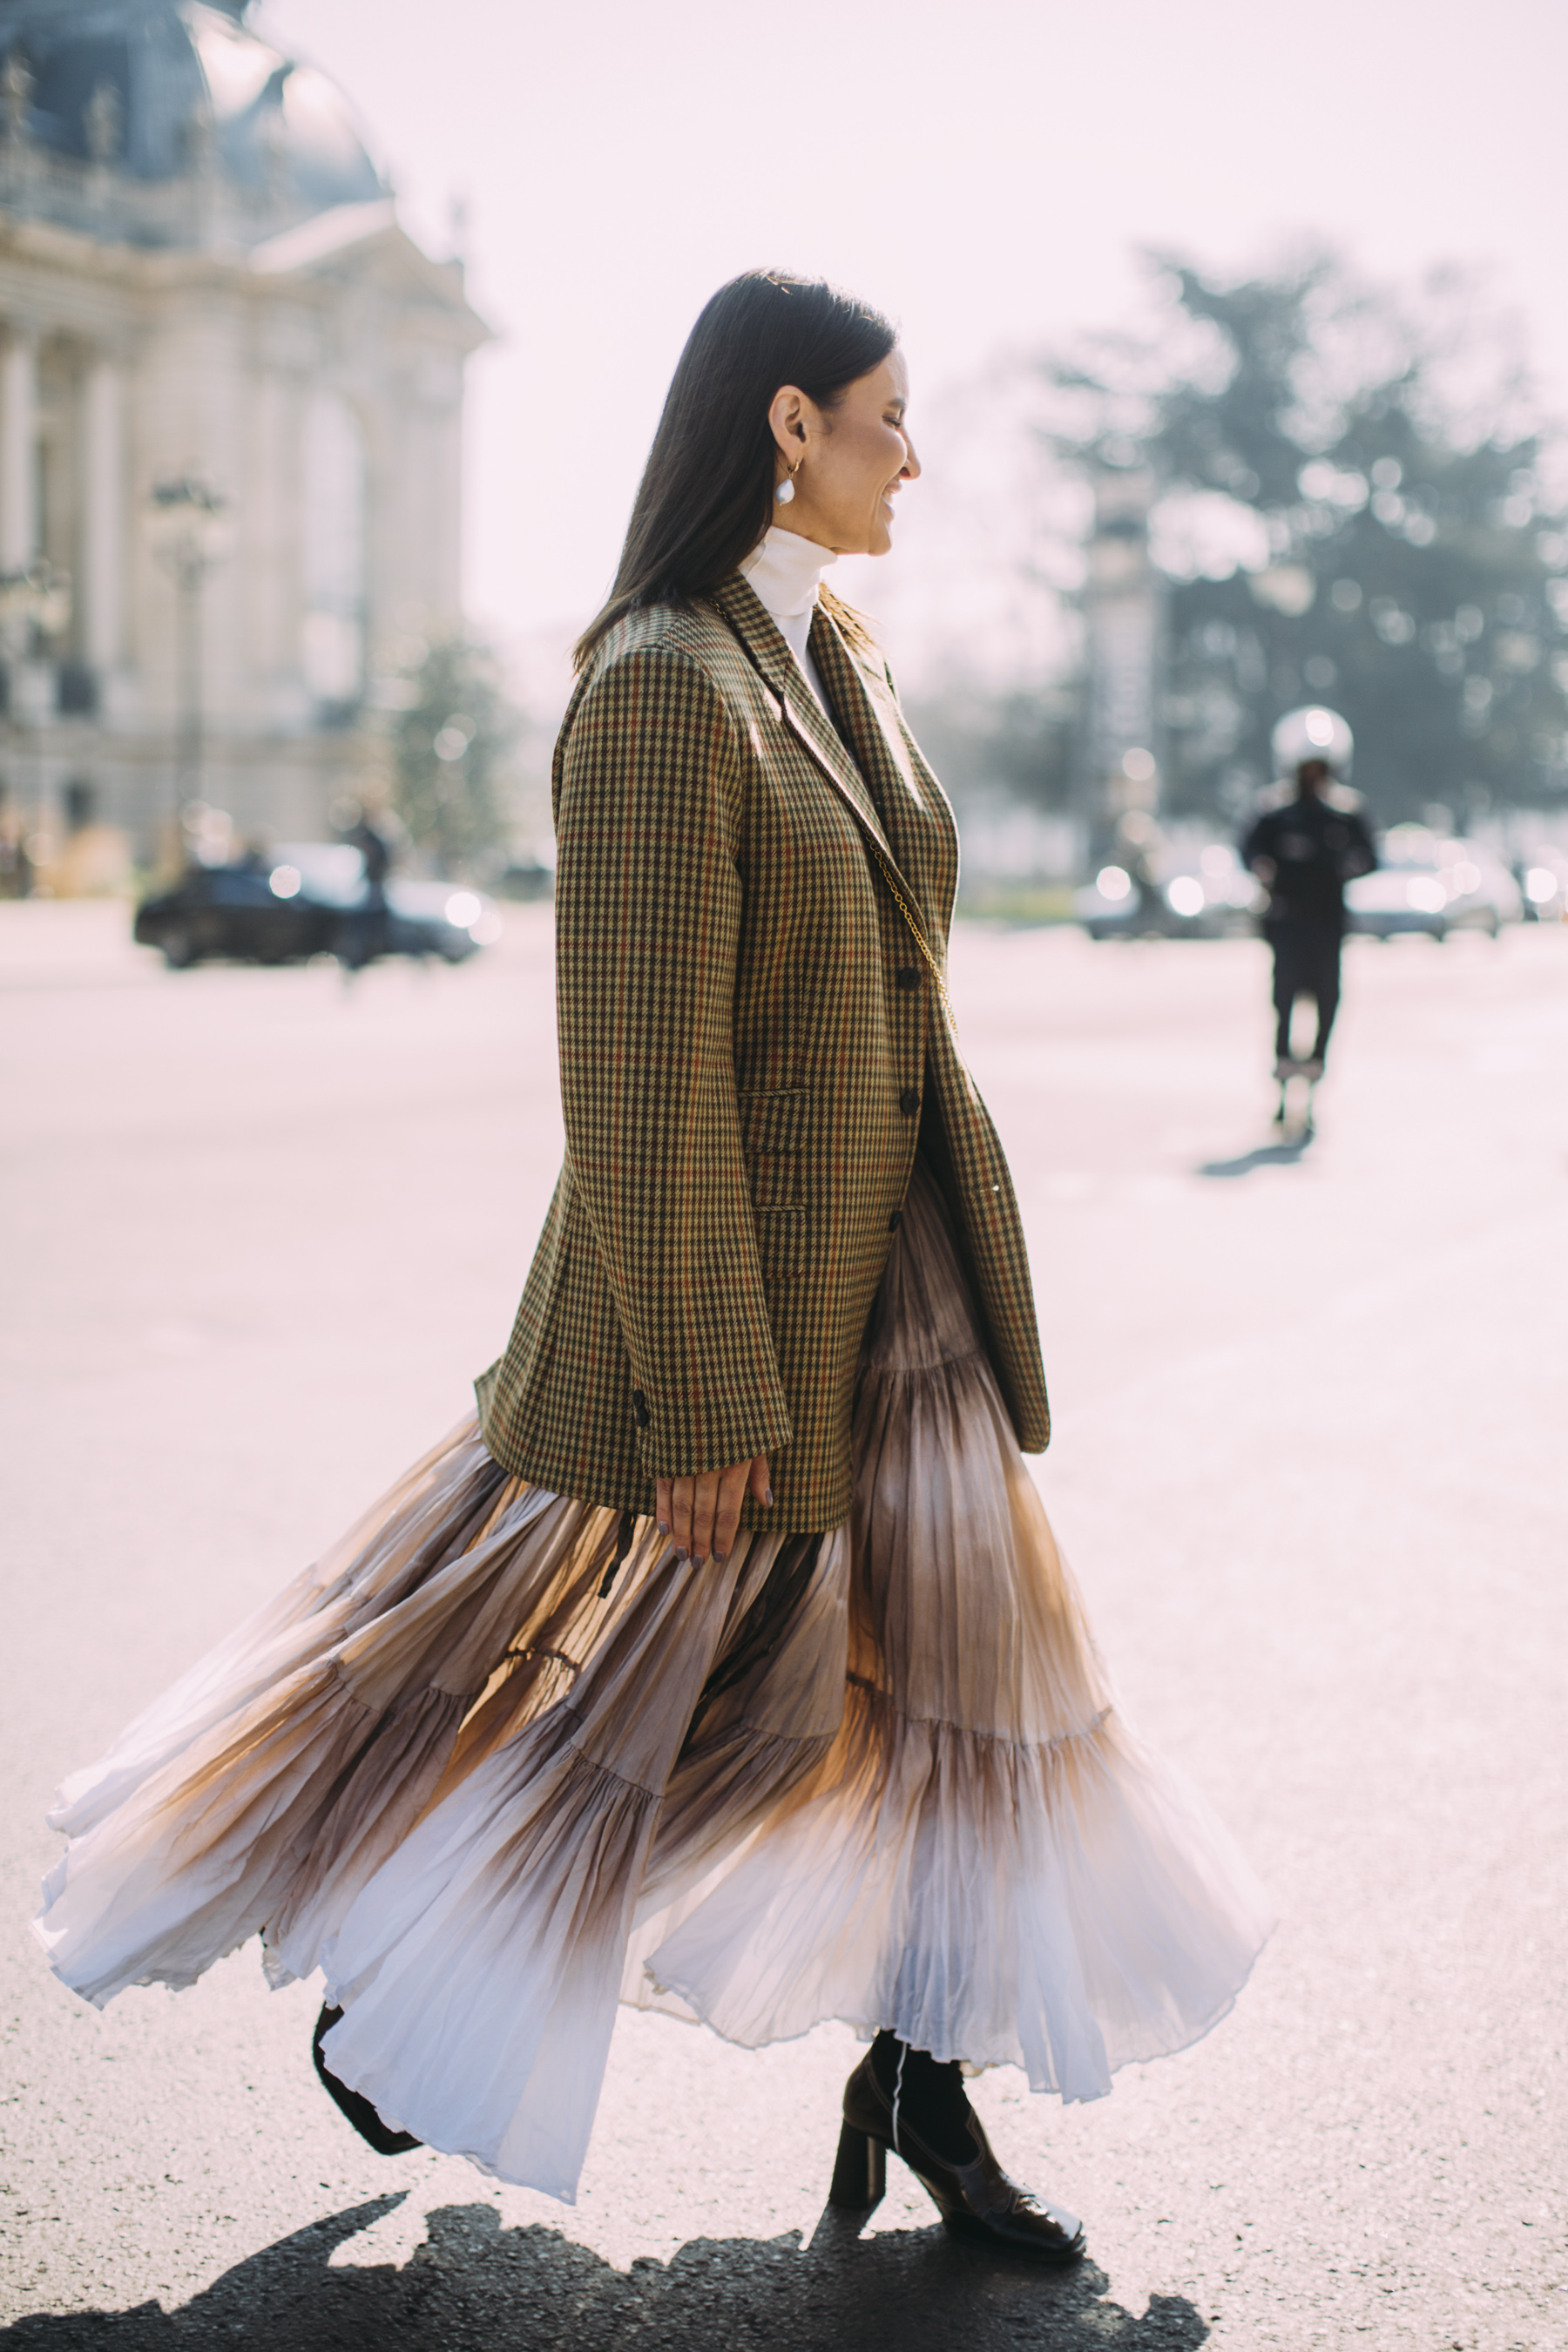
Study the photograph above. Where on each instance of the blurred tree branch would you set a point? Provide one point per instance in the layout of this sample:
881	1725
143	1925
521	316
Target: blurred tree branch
1360	505
453	731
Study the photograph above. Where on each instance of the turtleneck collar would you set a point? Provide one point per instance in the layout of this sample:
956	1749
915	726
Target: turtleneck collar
785	570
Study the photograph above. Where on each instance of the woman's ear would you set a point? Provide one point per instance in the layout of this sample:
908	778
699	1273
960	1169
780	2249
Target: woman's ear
787	414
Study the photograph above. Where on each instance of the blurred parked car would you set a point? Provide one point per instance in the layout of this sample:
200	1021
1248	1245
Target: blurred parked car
1543	879
1429	885
302	900
527	879
1206	896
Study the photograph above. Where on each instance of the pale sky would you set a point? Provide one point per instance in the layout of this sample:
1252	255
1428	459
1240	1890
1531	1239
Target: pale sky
983	171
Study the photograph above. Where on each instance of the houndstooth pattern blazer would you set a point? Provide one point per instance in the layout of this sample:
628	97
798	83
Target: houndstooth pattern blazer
751	919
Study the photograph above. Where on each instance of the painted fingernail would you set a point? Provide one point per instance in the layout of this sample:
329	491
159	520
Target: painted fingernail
681	1552
768	1498
721	1556
664	1526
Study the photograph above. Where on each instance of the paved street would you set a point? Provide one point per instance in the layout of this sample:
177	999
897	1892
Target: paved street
259	1232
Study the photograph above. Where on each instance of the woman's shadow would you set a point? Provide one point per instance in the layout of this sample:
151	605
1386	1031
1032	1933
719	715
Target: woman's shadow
1287	1151
473	2282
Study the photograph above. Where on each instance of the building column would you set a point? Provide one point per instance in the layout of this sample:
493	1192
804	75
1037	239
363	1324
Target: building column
18	449
103	513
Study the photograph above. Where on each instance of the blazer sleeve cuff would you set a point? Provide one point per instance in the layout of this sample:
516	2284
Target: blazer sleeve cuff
672	1442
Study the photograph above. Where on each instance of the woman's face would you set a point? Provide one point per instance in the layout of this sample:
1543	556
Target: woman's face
850	461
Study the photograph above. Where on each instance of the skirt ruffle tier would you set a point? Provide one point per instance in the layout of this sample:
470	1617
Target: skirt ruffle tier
499	1761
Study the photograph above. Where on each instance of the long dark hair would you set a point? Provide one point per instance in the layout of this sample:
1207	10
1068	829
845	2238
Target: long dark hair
707	492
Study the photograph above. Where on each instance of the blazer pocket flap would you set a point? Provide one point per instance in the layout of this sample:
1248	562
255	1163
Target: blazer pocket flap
772	1122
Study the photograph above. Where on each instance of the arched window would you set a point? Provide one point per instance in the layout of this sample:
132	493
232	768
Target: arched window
334	487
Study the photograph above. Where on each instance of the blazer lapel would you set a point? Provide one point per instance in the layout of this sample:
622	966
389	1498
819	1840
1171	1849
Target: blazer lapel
799	710
867	709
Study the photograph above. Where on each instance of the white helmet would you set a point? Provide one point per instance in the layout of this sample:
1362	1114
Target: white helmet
1312	733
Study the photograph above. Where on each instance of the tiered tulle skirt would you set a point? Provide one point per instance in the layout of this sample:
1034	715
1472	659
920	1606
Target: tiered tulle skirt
492	1769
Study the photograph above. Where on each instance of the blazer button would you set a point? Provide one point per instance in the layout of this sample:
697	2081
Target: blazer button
906	976
640	1412
909	1101
895	1221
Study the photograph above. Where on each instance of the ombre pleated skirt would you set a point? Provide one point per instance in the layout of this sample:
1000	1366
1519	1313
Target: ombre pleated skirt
491	1778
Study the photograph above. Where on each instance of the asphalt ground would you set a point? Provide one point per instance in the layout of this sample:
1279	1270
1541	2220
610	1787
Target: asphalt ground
258	1231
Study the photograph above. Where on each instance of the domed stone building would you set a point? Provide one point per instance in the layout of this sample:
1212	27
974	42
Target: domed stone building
231	408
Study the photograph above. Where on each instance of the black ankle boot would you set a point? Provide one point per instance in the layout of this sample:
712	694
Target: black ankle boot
975	2199
931	2096
353	2104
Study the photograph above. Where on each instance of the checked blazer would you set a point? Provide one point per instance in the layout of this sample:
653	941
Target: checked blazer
752	918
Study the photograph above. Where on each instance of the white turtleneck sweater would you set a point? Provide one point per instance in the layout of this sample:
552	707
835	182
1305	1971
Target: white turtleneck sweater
784	573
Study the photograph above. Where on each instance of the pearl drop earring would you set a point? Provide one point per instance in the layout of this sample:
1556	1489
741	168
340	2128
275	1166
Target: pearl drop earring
786	490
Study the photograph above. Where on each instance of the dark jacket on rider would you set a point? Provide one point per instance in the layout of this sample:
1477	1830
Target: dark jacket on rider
1315	848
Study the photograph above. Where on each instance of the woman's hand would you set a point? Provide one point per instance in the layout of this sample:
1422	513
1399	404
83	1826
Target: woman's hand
702	1514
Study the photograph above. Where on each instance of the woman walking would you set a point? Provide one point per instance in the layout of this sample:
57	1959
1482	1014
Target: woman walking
725	1663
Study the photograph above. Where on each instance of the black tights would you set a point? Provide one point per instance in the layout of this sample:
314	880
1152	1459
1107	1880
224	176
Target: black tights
931	2097
1306	963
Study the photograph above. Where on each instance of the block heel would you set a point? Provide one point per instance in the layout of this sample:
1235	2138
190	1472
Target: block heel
860	2171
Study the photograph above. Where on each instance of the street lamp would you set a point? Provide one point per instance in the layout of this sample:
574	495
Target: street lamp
38	598
189	536
35	600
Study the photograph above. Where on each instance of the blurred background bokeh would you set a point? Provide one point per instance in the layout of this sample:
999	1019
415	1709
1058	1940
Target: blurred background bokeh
332	338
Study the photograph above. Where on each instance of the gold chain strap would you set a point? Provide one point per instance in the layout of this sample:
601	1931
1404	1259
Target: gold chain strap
917	932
